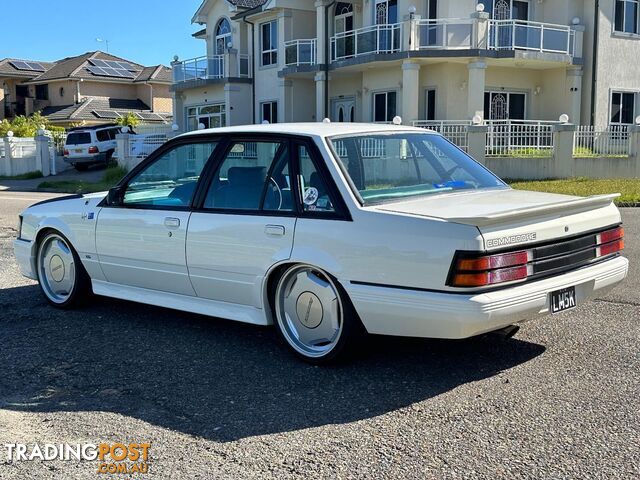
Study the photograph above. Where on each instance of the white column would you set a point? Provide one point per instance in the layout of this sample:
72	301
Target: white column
480	37
321	13
43	160
286	110
574	84
122	147
410	92
321	82
475	88
6	160
563	162
477	147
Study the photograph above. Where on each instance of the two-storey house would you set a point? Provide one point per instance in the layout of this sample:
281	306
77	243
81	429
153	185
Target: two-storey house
424	60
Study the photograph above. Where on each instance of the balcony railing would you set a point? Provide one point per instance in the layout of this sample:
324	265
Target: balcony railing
447	34
212	67
300	52
525	35
386	38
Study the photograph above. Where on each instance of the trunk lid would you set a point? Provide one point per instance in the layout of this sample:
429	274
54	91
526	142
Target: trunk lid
507	217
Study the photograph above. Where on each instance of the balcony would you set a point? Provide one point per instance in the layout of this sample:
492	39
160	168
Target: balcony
300	52
525	35
374	39
202	70
469	36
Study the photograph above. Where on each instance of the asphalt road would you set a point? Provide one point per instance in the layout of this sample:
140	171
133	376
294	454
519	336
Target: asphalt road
218	399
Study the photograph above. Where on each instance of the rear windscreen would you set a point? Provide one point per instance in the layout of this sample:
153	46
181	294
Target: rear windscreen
78	138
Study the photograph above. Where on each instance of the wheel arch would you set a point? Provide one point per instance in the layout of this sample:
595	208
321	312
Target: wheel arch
322	262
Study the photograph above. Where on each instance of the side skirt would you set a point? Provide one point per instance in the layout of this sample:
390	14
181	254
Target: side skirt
211	308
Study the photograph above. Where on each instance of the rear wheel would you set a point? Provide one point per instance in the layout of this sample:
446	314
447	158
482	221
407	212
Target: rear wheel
313	315
62	278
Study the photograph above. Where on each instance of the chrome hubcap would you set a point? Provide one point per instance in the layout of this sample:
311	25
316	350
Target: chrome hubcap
56	269
309	310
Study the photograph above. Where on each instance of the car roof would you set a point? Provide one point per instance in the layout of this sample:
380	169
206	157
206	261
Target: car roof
318	129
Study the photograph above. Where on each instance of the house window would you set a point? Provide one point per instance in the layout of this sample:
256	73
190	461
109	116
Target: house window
211	116
506	9
384	106
505	106
430	104
622	108
42	92
626	16
269	43
269	112
223	36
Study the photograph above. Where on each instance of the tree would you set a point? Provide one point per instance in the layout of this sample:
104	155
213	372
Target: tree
22	126
129	120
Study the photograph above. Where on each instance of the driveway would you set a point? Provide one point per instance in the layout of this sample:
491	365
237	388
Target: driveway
219	399
94	174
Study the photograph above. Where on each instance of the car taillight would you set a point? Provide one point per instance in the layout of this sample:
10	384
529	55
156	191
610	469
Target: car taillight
66	152
93	149
486	270
611	241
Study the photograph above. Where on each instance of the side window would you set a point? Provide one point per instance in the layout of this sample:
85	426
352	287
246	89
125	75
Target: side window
102	135
315	195
253	176
171	180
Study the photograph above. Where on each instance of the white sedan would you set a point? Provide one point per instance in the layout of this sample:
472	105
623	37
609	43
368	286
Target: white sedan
327	231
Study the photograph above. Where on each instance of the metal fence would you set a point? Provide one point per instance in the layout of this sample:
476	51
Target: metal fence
519	138
143	145
453	130
526	35
613	141
450	34
384	38
300	52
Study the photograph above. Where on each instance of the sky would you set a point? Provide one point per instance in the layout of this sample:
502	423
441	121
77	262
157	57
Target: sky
148	32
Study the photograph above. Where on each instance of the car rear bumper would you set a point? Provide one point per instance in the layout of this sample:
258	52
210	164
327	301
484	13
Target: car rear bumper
98	157
23	251
413	313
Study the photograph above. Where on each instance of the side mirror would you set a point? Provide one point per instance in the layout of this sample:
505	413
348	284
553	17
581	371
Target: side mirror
115	196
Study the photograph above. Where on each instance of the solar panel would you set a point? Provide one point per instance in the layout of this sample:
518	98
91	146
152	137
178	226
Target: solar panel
106	114
110	72
28	66
98	63
150	116
36	66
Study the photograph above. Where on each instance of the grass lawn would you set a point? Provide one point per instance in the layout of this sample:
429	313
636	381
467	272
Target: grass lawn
583	187
24	176
112	175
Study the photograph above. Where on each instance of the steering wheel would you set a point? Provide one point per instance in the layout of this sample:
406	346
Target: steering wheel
279	190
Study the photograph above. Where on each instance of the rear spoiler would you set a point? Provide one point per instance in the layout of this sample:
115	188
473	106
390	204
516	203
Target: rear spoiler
568	206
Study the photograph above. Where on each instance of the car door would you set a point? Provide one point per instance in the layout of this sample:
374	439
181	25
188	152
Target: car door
245	222
141	240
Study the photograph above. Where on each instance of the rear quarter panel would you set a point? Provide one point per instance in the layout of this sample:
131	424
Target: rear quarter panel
384	248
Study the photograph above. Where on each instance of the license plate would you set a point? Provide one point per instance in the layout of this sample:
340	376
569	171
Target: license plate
562	300
78	150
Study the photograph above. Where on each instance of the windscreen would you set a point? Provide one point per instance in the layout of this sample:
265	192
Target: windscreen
391	167
78	138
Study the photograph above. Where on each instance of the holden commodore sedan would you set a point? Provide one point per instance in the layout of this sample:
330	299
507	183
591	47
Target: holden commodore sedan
326	231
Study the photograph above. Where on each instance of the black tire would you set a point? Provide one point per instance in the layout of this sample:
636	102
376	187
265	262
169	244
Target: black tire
349	336
81	167
109	158
81	289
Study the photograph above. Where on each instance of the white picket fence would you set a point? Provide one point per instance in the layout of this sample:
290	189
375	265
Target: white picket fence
454	130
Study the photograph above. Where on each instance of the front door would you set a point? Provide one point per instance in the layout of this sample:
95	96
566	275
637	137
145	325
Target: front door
141	241
245	224
343	110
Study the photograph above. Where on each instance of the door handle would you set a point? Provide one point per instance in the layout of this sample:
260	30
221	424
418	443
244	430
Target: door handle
171	222
274	230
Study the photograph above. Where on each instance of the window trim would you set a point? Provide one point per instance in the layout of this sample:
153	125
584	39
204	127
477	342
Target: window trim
156	155
635	94
273	49
623	32
341	210
373	104
272	103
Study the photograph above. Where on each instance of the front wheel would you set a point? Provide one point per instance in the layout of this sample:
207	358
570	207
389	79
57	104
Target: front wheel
62	278
313	315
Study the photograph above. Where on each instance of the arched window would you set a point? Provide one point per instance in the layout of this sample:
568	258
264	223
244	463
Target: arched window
343	23
223	36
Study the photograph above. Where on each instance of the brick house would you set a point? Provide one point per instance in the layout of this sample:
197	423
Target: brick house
93	88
